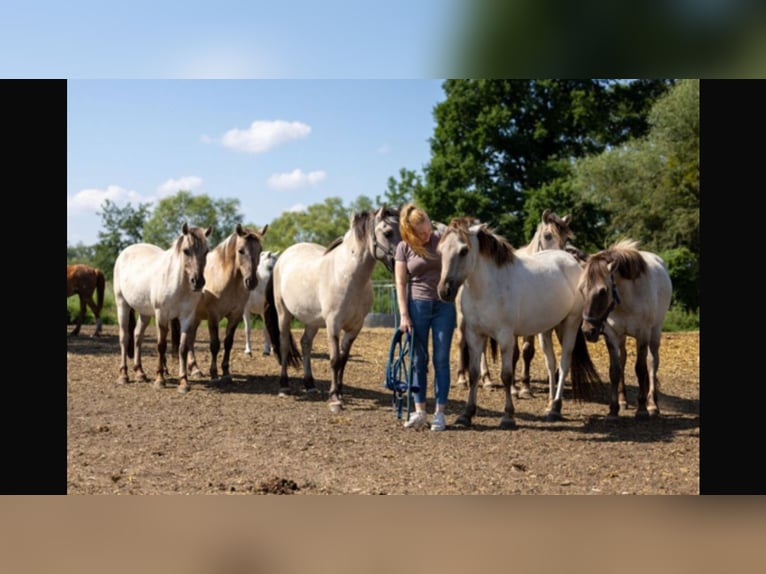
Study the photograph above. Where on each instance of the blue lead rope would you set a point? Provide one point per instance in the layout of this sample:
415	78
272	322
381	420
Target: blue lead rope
399	372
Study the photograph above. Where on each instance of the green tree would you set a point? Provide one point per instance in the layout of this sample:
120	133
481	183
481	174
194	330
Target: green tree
80	253
409	185
120	227
321	223
172	212
497	140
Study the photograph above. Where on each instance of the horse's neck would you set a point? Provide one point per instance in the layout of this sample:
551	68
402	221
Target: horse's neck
171	268
482	278
534	245
353	259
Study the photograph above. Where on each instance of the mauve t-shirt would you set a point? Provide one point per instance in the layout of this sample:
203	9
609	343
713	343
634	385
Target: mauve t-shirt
424	273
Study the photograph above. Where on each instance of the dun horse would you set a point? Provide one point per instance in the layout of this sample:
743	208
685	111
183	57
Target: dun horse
162	284
257	299
553	232
230	277
627	293
506	295
83	281
328	287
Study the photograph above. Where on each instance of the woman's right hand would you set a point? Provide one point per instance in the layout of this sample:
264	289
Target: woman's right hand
405	325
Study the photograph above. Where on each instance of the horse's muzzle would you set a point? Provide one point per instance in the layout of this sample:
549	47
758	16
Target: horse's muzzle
197	283
591	331
447	291
251	282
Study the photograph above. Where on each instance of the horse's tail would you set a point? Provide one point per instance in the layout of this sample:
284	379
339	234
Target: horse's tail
583	371
271	320
131	336
100	286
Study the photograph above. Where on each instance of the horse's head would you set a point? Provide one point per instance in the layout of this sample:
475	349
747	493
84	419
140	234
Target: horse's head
247	253
266	264
192	247
458	255
553	231
385	236
599	283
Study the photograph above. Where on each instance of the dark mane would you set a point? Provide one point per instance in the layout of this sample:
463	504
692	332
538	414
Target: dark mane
337	241
624	256
491	245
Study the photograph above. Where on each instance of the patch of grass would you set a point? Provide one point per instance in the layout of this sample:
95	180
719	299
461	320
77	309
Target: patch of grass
679	319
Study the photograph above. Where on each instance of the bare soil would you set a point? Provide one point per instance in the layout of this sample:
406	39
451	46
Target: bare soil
241	438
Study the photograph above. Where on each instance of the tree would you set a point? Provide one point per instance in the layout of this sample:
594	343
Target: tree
403	191
172	212
121	226
320	223
498	140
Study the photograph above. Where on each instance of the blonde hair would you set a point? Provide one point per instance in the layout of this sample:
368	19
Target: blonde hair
410	216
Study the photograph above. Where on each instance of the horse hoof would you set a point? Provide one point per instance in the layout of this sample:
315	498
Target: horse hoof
335	407
462	422
525	393
610	418
158	385
142	378
654	412
122	381
183	389
514	391
552	416
642	416
249	353
508	424
285	392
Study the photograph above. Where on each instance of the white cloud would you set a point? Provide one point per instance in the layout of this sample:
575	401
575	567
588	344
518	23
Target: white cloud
385	149
261	136
297	208
172	186
90	200
295	179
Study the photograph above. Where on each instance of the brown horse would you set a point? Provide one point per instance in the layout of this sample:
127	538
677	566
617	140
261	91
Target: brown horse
84	280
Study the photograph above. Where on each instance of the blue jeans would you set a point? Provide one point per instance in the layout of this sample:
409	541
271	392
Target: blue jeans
440	318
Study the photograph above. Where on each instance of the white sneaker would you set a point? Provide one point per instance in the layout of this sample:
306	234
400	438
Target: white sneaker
417	420
437	423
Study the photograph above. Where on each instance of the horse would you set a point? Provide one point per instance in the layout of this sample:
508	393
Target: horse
164	284
328	287
627	293
257	298
230	277
505	295
553	232
84	280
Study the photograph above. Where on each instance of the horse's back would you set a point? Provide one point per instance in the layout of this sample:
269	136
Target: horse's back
134	272
644	301
296	276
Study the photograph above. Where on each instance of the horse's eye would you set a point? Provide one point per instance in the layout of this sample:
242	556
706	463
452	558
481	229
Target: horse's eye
187	251
241	250
548	236
463	251
389	233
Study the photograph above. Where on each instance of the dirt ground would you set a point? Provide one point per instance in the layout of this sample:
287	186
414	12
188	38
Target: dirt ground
241	438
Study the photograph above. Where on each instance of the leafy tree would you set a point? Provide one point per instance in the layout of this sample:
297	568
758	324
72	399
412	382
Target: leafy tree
80	253
172	212
496	140
409	185
320	223
121	226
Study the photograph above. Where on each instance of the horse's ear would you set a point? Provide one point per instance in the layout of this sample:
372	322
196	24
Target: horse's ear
208	231
567	218
263	231
546	215
185	228
239	230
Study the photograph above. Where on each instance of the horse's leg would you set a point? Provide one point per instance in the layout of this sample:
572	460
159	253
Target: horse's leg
553	410
527	353
654	365
622	396
340	367
307	343
614	347
192	368
266	341
228	342
475	346
92	305
516	354
162	345
215	346
642	375
507	375
246	319
142	322
567	334
486	380
462	368
80	317
188	327
123	320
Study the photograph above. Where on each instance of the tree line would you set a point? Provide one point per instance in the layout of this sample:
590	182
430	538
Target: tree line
622	157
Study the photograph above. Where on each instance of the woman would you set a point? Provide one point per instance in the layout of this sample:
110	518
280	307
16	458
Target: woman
423	312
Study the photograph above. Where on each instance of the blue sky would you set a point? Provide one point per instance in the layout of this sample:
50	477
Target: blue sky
274	145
